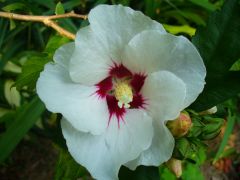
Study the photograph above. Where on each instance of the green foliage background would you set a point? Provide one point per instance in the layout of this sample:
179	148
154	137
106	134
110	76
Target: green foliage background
25	47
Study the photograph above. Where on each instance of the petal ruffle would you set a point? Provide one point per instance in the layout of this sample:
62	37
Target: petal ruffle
103	155
164	93
73	101
103	41
159	152
152	51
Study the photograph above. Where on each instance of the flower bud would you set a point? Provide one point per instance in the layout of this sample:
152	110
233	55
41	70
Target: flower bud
11	93
175	166
180	126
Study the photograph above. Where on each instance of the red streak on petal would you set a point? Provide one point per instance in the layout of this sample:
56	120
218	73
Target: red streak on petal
119	71
138	101
104	87
114	109
137	82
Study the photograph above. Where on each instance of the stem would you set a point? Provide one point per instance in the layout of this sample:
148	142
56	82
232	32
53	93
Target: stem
47	20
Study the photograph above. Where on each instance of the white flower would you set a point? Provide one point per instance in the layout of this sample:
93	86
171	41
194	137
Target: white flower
116	87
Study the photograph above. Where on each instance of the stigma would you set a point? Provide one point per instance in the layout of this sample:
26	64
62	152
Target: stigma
123	93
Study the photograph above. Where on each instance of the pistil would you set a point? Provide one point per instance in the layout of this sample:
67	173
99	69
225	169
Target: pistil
123	93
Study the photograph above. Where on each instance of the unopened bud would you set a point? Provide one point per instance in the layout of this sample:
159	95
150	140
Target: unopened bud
11	93
180	126
212	110
175	166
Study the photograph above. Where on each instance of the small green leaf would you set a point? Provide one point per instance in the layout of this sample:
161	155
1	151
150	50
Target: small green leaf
25	117
12	24
59	8
14	6
235	66
173	29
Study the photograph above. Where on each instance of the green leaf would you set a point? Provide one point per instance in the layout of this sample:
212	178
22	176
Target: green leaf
30	72
229	128
194	17
54	43
166	174
235	66
99	2
186	15
66	168
183	146
70	5
9	54
25	117
151	6
219	46
173	29
192	171
14	6
59	8
214	125
219	43
12	24
141	173
46	3
3	112
228	152
205	4
209	136
3	27
217	90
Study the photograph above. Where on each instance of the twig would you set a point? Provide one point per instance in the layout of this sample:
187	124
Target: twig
47	20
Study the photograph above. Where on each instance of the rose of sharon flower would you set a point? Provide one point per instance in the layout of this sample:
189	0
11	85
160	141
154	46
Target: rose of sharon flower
117	85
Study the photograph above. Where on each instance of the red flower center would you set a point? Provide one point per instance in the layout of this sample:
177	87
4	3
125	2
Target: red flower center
105	89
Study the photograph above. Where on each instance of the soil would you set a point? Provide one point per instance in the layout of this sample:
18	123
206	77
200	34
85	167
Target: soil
31	161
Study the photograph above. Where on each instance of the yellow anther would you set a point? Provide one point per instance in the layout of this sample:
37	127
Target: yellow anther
123	93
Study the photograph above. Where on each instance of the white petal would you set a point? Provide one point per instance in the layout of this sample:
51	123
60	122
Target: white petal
165	94
159	152
91	61
103	155
74	101
152	51
117	25
101	43
63	54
